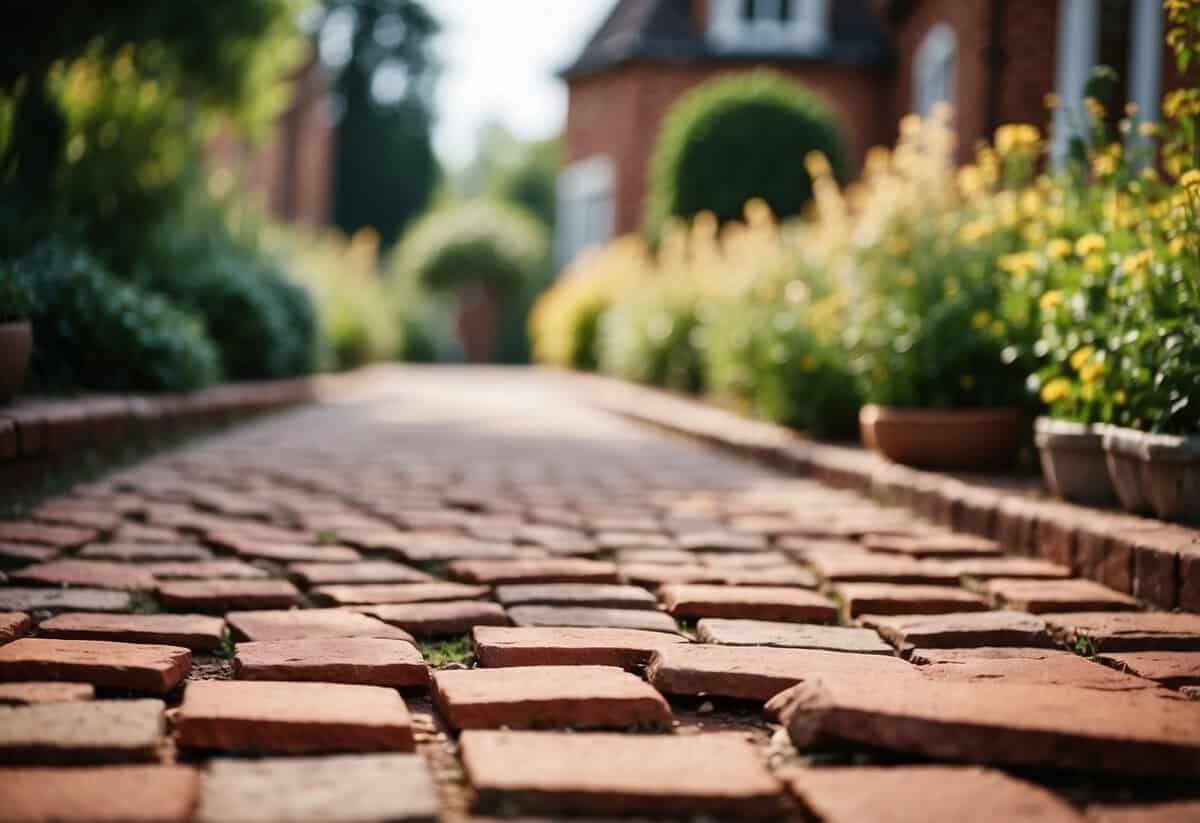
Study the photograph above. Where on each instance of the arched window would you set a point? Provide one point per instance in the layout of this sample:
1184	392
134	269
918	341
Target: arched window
934	69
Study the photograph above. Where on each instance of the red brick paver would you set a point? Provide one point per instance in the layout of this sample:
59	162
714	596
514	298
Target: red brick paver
439	619
959	629
756	673
1133	732
154	669
347	788
924	794
547	697
193	631
101	731
13	625
292	718
364	660
580	646
748	602
600	774
225	595
44	691
87	573
107	794
1046	596
790	635
308	624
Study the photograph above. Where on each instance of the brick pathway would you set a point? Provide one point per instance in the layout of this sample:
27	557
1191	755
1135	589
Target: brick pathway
450	593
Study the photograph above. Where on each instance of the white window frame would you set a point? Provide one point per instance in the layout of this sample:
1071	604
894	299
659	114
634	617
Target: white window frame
585	208
935	69
807	31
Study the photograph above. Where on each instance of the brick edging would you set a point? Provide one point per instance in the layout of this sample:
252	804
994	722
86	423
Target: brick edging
37	432
1155	561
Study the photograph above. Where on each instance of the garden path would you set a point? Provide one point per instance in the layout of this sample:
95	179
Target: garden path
449	592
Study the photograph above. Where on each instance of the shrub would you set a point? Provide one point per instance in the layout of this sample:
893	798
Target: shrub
653	336
96	332
777	350
478	242
934	326
263	325
736	138
564	322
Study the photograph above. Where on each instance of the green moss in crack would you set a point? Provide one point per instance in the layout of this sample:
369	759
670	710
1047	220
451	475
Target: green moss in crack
443	652
1085	646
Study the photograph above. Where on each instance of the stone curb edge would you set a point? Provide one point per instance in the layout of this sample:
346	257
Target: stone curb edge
1154	561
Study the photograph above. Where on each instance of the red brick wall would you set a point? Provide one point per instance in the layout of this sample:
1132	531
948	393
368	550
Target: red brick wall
1026	67
618	113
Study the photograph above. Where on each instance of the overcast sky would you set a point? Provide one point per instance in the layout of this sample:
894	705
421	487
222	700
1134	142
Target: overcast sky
499	62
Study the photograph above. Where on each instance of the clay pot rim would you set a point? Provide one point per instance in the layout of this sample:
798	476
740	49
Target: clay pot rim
1067	435
1150	446
872	413
14	325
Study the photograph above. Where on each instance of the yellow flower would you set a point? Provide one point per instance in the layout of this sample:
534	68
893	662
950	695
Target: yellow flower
1088	244
1095	108
1137	262
808	364
1147	129
1056	390
1094	263
907	278
1119	397
981	319
1088	392
1058	248
1190	179
1081	357
1051	100
1103	165
1051	300
1091	372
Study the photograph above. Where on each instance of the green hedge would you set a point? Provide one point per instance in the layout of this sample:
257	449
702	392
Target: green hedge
264	326
480	241
94	331
736	138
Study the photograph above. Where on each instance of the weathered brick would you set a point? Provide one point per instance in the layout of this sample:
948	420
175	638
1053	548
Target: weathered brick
106	794
193	631
750	673
308	624
748	602
547	697
101	731
292	718
329	789
154	669
362	660
579	646
604	773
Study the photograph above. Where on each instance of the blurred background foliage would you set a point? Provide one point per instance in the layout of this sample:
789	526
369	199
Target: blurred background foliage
128	232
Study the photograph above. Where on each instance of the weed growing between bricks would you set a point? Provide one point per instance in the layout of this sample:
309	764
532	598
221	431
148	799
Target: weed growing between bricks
455	651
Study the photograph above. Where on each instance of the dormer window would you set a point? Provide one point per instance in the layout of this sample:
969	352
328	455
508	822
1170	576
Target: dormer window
769	25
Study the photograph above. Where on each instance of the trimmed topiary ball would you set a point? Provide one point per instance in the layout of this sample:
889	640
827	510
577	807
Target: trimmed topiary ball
735	138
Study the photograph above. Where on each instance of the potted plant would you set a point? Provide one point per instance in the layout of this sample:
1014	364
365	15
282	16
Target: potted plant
1074	383
16	333
940	347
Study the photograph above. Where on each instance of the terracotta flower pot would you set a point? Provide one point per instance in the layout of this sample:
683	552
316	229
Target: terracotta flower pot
1073	461
1122	453
16	342
965	439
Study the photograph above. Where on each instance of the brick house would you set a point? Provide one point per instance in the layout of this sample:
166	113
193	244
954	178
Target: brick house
872	61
